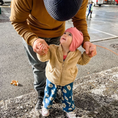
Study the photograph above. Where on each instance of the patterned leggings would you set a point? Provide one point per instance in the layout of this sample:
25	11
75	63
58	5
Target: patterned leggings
67	96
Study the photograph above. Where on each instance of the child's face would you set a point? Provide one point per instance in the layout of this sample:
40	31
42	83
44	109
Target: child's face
66	39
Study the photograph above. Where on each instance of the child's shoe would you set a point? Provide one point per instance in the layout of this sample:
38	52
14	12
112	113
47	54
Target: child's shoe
45	112
71	114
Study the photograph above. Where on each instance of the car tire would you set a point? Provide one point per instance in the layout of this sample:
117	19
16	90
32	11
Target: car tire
1	2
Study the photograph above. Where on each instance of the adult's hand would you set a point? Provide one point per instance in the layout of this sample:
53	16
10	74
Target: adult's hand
37	44
90	49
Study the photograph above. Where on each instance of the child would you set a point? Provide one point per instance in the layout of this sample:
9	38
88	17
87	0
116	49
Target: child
61	70
90	10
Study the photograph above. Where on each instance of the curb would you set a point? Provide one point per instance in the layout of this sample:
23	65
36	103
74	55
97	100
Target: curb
104	39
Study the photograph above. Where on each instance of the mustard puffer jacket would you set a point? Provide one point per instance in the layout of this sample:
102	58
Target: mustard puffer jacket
61	72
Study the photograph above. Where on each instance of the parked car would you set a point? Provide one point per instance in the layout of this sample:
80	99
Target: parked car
3	1
98	2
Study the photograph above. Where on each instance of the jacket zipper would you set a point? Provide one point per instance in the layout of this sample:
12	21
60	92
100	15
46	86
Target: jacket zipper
61	72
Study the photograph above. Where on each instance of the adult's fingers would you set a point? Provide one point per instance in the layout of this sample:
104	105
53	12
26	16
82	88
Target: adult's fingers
86	46
92	51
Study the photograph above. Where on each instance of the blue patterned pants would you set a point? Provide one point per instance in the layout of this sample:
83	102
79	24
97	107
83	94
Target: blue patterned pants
67	96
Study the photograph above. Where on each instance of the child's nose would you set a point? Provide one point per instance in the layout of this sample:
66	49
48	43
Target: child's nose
65	34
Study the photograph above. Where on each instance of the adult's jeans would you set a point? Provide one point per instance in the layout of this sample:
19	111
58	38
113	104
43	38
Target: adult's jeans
38	66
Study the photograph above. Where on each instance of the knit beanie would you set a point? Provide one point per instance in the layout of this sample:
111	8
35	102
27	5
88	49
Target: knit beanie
62	10
77	38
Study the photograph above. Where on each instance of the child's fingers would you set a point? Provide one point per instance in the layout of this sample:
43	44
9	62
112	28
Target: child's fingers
41	46
46	50
42	49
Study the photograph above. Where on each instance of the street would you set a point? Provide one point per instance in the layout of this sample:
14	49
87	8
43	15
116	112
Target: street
14	65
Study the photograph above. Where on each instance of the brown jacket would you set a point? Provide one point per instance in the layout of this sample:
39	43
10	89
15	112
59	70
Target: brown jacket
31	20
61	72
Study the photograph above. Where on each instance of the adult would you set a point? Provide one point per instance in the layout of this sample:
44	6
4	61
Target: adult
43	21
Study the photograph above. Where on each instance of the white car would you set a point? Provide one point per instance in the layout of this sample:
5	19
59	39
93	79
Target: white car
98	2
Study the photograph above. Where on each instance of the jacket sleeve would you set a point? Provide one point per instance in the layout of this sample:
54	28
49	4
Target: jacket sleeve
84	59
79	20
20	10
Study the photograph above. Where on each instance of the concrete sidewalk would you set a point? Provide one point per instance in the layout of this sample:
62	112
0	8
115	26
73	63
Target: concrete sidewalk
95	95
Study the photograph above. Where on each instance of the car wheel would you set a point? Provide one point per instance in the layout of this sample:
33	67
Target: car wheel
1	2
99	5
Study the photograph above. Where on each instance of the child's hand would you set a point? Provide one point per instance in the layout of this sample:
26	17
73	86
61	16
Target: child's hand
40	46
43	48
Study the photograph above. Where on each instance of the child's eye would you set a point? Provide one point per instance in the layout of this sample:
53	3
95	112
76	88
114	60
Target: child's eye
70	34
64	32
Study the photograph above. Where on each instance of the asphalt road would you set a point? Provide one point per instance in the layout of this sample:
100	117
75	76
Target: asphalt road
13	60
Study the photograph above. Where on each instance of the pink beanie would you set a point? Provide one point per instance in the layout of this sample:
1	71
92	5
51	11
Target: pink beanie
77	38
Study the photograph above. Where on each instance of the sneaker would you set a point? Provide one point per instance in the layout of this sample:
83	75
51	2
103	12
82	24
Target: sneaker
39	103
71	114
45	112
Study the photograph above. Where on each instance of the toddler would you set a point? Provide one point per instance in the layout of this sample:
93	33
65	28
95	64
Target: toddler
61	70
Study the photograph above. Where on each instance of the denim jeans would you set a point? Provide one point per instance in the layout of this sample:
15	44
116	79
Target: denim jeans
38	66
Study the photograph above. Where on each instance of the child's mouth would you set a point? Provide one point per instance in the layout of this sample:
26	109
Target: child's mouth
63	38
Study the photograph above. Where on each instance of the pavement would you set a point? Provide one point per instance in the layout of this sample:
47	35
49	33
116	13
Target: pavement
96	85
95	96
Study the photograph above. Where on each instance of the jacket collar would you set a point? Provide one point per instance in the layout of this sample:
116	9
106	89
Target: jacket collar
60	54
